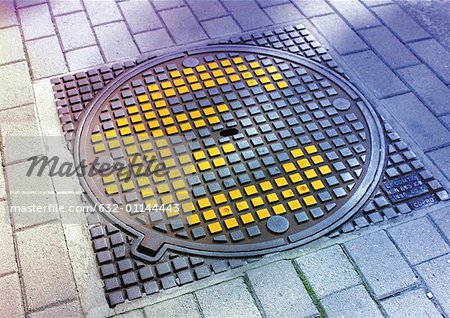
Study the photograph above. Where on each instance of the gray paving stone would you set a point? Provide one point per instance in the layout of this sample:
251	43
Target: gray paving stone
270	3
441	158
41	272
187	32
180	307
140	16
328	271
8	260
115	41
20	134
312	8
101	12
352	302
381	264
153	40
67	6
372	3
75	31
11	48
344	39
28	3
164	4
228	299
15	85
7	14
391	50
27	192
84	58
355	13
435	56
280	291
46	57
442	220
220	27
436	274
400	23
431	89
375	74
408	235
36	22
418	121
133	314
410	304
71	310
284	13
240	12
214	9
10	297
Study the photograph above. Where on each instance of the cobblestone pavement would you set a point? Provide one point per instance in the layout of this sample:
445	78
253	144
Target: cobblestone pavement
398	269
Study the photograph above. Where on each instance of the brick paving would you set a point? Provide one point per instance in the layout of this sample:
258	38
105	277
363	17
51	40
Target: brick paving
398	271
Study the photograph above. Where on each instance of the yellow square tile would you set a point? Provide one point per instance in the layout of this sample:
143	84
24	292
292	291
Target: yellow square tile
195	114
213	120
271	69
258	201
167	121
209	84
196	87
139	128
199	123
294	205
289	167
213	152
264	80
281	182
277	77
295	178
242	68
172	130
147	192
225	210
252	83
235	194
175	74
213	65
222	108
98	137
99	148
157	133
185	127
217	73
222	81
152	88
204	203
187	207
160	103
279	209
225	63
179	82
311	149
182	195
162	188
238	60
230	70
303	188
166	84
247	218
259	72
183	90
205	76
208	111
303	163
192	79
181	118
310	174
317	159
251	190
188	71
234	78
263	214
153	124
228	148
156	96
269	87
167	199
132	110
266	186
317	185
203	166
163	112
242	206
282	84
143	181
178	184
111	189
200	68
214	227
272	197
246	75
325	170
150	115
309	200
127	186
219	162
199	155
287	194
220	198
108	179
193	219
113	144
146	107
120	123
231	223
209	215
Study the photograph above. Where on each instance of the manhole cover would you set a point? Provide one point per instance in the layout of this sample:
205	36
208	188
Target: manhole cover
261	150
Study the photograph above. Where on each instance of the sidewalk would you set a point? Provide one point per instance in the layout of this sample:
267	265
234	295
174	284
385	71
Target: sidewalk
398	268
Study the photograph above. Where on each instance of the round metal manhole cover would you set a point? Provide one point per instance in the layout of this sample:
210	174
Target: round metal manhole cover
259	150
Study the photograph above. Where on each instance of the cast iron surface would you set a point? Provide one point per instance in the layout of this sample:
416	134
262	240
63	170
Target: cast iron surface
264	150
127	276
